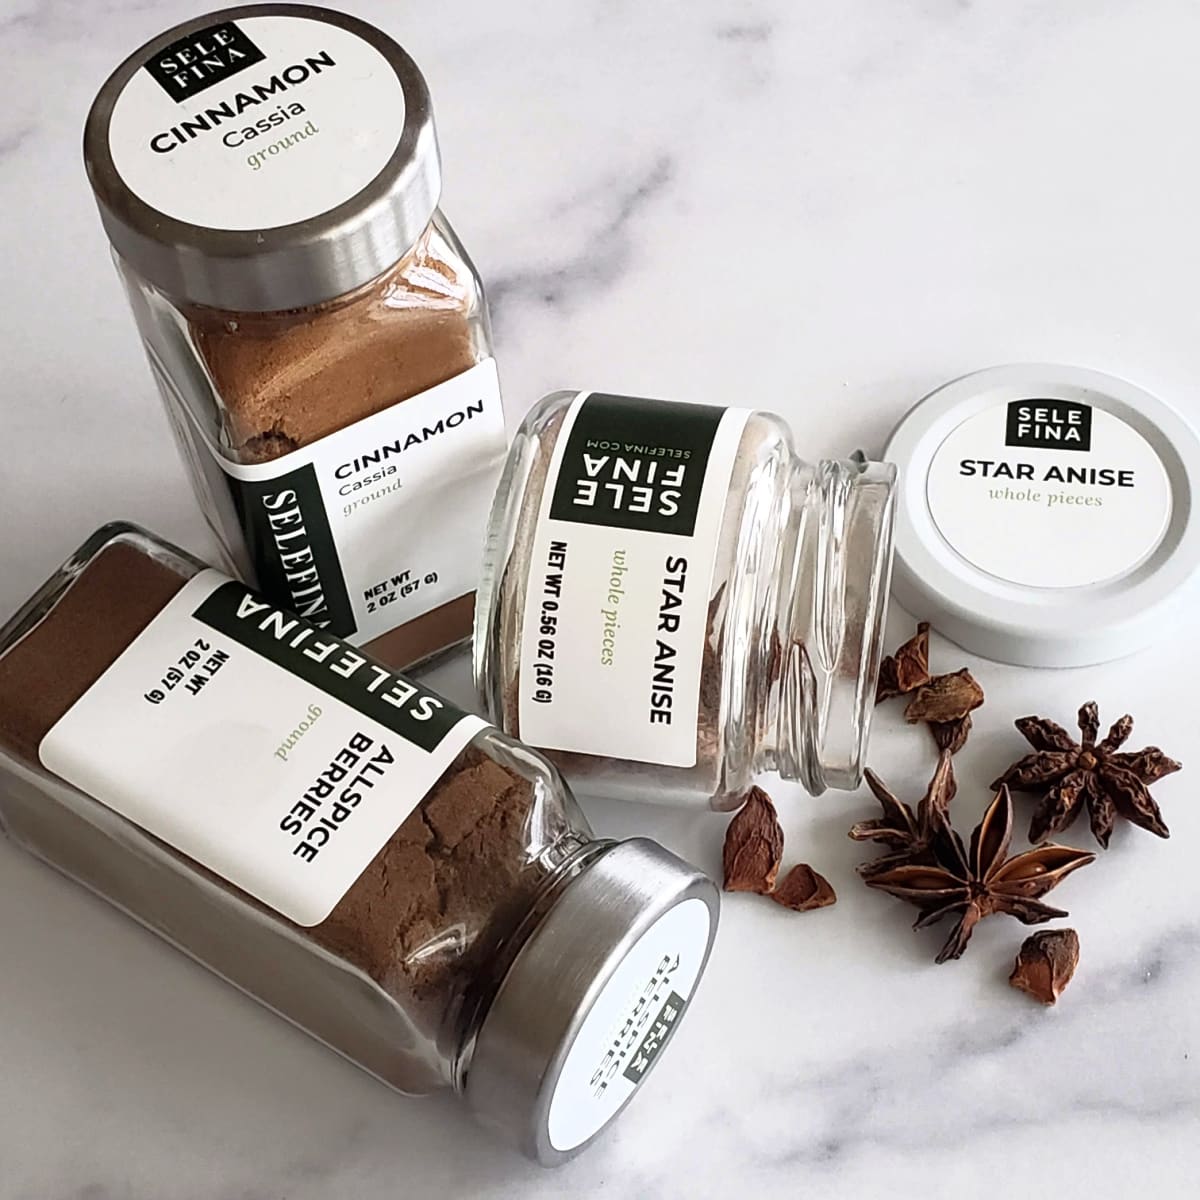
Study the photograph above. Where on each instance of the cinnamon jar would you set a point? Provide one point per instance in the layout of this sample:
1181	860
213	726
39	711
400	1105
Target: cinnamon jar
399	879
674	600
269	177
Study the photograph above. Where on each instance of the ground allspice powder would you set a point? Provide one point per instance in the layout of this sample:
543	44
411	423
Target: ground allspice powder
428	914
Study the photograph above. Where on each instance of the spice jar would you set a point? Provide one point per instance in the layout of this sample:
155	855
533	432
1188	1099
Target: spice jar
409	885
674	601
269	178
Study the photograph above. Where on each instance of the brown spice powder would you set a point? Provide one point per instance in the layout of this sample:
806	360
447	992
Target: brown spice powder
426	916
287	379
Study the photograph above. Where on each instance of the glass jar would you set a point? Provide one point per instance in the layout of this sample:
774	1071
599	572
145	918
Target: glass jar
407	884
269	177
673	601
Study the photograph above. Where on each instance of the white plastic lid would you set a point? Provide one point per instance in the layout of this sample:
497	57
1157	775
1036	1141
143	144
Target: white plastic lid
1046	515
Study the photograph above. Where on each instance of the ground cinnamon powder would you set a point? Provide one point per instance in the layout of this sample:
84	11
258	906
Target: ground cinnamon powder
284	380
429	912
287	379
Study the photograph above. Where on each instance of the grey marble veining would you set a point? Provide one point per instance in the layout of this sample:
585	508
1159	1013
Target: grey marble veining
603	252
822	209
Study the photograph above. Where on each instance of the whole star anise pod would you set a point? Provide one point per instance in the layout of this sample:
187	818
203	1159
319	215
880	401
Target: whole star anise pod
910	835
984	881
1111	782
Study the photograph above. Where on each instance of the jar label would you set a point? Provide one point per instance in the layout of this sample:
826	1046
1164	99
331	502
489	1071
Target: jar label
624	1032
257	122
621	570
268	751
383	521
1053	493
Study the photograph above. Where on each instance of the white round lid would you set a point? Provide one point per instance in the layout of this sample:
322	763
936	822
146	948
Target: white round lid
1046	515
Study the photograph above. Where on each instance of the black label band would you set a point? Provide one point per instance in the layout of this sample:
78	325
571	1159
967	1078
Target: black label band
302	649
635	464
290	543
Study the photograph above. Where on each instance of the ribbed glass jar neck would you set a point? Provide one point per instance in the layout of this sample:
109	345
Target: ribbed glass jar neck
817	693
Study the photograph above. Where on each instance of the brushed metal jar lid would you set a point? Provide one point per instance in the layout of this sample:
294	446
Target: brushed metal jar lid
592	1000
265	157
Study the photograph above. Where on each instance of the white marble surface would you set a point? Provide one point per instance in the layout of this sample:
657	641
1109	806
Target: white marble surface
821	208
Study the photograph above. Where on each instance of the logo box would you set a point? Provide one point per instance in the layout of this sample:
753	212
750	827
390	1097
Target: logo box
632	463
1049	425
203	59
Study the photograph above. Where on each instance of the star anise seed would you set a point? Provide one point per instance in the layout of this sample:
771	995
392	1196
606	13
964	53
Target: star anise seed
1098	775
974	885
907	669
910	835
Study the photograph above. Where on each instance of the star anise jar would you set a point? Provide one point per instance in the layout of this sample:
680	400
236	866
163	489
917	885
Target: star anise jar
673	600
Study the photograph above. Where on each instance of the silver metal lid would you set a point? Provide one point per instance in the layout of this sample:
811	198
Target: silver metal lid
591	1000
315	255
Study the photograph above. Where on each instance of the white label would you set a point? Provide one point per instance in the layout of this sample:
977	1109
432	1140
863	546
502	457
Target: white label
620	576
383	521
257	122
269	752
1049	493
631	1021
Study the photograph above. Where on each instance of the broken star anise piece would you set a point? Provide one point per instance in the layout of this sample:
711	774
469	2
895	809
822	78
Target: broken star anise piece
951	735
1045	964
753	845
907	669
984	881
945	698
1098	774
909	835
804	889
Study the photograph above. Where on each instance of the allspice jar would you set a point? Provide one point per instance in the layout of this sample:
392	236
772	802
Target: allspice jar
674	600
399	879
269	179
